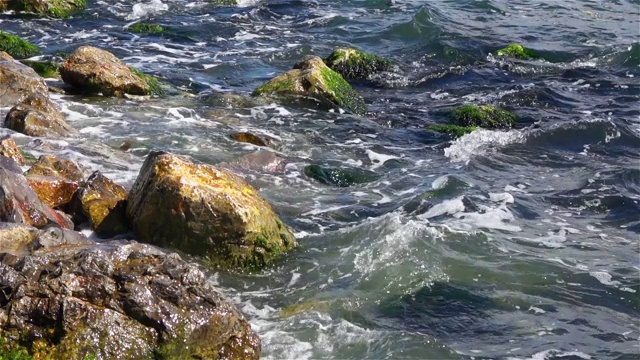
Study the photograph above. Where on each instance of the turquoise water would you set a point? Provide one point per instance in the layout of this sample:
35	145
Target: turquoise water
518	244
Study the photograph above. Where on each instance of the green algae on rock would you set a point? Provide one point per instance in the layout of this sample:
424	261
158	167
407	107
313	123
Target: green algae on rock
486	116
154	84
16	46
518	51
454	131
46	69
354	64
53	8
204	210
311	79
146	29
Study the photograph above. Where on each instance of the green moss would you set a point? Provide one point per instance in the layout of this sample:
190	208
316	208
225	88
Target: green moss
485	116
147	29
12	351
518	51
345	95
224	2
276	85
454	131
354	64
154	85
17	47
46	69
262	241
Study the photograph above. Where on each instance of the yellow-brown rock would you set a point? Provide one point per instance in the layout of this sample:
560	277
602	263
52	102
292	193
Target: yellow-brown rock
103	203
206	211
9	149
50	165
37	115
251	138
53	190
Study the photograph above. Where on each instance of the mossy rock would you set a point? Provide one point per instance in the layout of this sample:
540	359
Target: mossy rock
354	64
46	69
312	81
146	29
152	81
10	350
339	177
518	51
224	2
16	46
53	8
486	116
455	131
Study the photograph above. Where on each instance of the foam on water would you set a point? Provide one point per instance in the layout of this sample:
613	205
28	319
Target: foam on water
481	142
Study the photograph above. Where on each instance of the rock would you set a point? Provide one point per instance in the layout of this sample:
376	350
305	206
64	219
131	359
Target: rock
52	190
20	204
339	177
485	116
206	211
517	51
16	46
261	160
94	70
8	148
103	203
312	80
250	138
53	8
455	131
146	29
50	165
116	300
37	115
17	81
354	64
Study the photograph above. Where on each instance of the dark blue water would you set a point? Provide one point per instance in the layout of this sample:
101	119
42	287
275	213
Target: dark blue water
519	244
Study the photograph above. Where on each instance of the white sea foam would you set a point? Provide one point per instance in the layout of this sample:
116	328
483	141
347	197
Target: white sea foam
141	10
480	142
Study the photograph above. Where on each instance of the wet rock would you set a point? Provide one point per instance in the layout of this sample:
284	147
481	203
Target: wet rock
250	138
206	211
117	300
37	115
311	80
454	131
16	46
261	160
53	8
51	165
517	51
102	202
9	148
340	177
17	81
354	64
52	190
146	29
20	204
485	116
94	70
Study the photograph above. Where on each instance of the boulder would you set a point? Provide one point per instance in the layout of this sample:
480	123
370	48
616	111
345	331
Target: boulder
115	300
16	46
92	70
207	211
485	116
53	8
37	115
9	148
20	204
51	165
102	202
354	64
53	190
311	80
17	81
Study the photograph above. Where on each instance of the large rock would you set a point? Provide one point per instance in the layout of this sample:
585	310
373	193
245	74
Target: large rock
17	81
37	115
94	70
207	211
9	148
51	165
54	8
116	300
52	190
354	64
20	204
312	80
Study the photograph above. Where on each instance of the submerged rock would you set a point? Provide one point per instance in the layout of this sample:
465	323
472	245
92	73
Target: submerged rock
261	160
146	29
518	51
250	138
339	177
485	116
54	8
37	115
94	70
16	46
312	80
354	64
455	131
116	300
20	204
17	81
206	211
